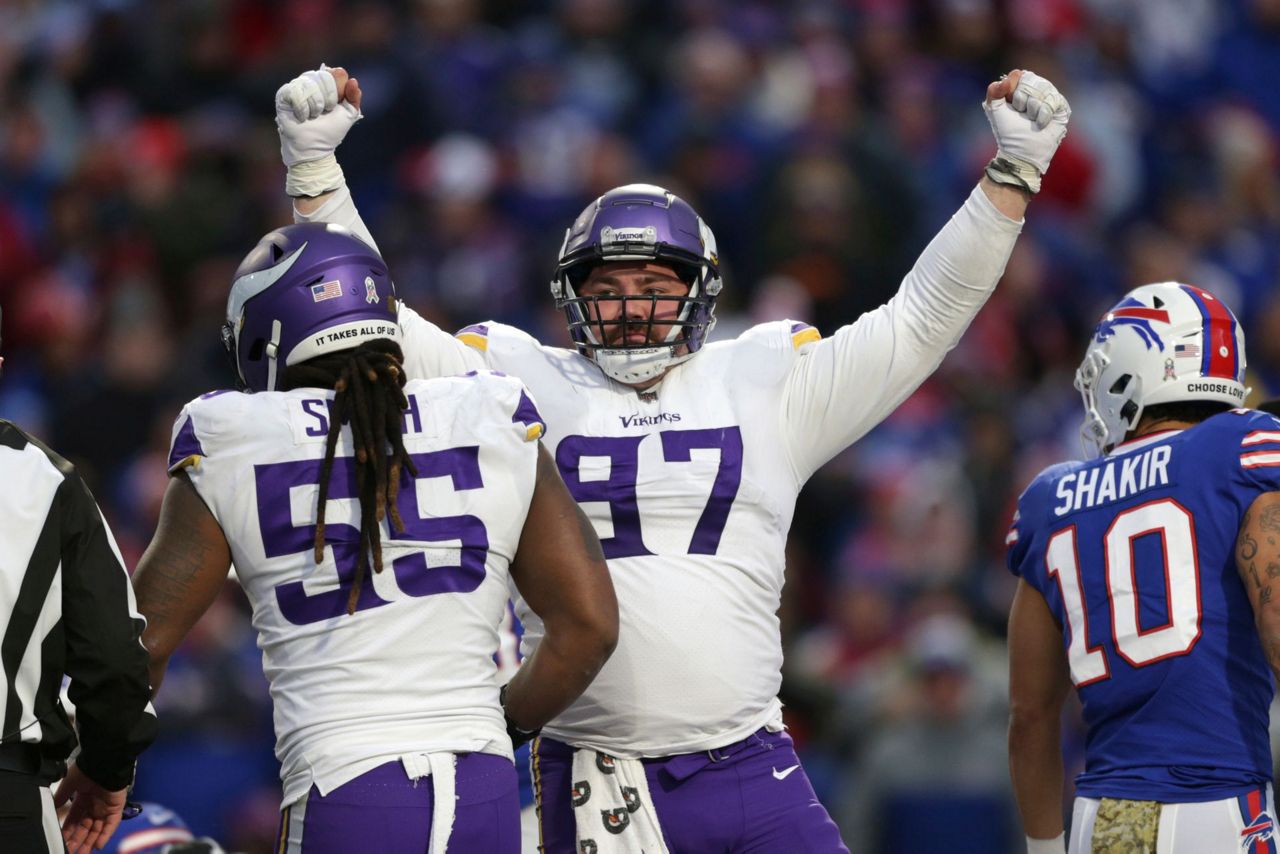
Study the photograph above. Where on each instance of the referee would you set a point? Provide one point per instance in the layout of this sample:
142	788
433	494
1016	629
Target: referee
66	606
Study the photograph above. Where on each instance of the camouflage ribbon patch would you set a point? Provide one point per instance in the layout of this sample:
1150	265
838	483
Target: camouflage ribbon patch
1125	827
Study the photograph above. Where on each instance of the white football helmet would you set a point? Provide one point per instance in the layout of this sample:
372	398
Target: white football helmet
1162	343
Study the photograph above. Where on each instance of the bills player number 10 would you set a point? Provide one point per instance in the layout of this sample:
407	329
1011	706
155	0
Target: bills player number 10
1172	523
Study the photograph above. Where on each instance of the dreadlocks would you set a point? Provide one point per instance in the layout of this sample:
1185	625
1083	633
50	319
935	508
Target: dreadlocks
369	381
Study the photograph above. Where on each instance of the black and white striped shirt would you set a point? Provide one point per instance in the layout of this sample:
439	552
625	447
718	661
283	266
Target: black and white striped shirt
66	606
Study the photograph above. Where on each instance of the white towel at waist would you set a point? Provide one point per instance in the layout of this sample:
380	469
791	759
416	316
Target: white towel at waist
612	807
442	769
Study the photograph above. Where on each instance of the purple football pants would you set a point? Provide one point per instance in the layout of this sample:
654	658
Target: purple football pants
383	810
750	796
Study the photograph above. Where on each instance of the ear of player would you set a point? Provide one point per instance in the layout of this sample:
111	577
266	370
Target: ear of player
1028	126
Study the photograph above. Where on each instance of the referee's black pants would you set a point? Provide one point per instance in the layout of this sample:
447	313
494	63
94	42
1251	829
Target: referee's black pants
24	827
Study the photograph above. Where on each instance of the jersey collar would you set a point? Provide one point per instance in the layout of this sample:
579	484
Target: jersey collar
1142	441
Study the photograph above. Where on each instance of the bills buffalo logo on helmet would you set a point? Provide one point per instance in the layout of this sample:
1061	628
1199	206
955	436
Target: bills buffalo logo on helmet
1132	313
631	797
605	762
616	821
581	793
588	846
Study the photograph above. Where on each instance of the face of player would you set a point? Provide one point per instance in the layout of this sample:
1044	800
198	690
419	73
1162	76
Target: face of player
627	321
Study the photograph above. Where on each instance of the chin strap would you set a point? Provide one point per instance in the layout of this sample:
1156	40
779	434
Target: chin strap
272	351
636	366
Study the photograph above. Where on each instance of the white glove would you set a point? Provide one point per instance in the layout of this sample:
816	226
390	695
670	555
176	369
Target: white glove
312	122
1028	128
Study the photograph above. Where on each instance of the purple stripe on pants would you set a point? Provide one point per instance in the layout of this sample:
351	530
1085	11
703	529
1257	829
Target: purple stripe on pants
750	796
383	810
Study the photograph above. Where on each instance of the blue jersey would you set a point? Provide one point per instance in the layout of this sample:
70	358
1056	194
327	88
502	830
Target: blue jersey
1135	554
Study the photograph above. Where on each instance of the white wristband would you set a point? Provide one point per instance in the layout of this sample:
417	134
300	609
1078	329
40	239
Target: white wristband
1057	845
314	177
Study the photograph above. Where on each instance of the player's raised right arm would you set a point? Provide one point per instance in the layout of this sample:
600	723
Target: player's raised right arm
1258	562
314	111
560	571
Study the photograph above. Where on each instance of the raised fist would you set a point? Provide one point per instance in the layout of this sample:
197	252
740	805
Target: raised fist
314	111
1028	116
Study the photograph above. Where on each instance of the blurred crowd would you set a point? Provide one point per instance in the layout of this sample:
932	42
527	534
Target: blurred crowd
823	141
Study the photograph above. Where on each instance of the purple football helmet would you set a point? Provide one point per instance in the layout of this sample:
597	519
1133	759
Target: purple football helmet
305	290
639	222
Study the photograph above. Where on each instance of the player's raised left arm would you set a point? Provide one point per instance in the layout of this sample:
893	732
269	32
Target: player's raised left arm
181	572
1038	685
1258	562
845	385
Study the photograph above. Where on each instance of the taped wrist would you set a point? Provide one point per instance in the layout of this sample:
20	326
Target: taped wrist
314	177
1014	171
1057	845
518	736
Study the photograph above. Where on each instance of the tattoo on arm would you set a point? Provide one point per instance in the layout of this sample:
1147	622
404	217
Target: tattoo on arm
183	569
1270	520
173	565
1246	545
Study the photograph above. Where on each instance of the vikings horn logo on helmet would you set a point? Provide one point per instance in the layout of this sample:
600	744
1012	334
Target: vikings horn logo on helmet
297	295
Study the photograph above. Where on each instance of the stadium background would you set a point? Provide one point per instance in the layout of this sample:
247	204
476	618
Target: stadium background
824	142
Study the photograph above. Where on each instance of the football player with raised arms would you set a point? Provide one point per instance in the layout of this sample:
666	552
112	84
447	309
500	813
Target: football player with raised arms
374	524
688	456
1146	581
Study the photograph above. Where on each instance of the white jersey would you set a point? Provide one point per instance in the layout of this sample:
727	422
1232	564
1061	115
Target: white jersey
412	670
691	486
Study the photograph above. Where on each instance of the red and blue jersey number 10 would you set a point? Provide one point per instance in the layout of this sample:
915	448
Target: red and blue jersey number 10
1173	524
282	536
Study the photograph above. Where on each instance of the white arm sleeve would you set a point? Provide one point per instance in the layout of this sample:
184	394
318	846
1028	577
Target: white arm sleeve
429	351
843	386
339	208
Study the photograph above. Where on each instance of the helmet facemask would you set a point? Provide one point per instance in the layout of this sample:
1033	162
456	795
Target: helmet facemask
638	223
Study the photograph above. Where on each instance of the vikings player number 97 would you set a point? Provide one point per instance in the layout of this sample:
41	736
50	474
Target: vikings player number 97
618	490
